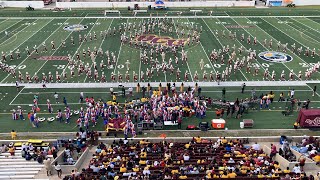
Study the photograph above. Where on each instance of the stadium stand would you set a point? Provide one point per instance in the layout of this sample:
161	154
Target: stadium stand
21	161
197	159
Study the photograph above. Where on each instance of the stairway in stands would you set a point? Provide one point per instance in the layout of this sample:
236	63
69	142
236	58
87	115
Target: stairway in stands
16	167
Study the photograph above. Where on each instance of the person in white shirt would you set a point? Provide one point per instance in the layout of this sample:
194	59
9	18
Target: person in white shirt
70	160
256	146
146	171
186	157
56	97
57	167
296	169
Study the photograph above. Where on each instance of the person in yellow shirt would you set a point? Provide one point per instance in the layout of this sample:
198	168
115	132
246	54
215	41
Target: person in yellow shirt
187	146
286	171
224	141
182	87
13	135
174	171
183	176
260	175
136	168
198	139
224	175
317	158
142	162
123	169
114	98
143	155
275	175
232	174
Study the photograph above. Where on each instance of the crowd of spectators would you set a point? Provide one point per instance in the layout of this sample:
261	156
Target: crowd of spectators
196	159
310	147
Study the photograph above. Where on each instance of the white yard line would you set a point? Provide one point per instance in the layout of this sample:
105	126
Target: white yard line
305	25
312	91
15	34
78	47
115	67
206	55
10	26
174	24
221	43
30	53
241	42
268	49
99	48
16	96
289	37
54	50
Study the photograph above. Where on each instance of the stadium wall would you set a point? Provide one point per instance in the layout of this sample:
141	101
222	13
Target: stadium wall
306	2
146	4
23	4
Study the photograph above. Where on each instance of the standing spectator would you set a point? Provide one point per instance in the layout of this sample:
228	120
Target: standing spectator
243	87
181	87
307	104
57	167
47	165
199	91
81	97
123	91
138	88
281	97
302	161
179	122
143	92
17	86
292	93
130	91
111	91
314	90
13	135
273	151
253	93
223	94
56	97
65	101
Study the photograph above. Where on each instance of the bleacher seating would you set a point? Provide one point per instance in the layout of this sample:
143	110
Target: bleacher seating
16	167
166	160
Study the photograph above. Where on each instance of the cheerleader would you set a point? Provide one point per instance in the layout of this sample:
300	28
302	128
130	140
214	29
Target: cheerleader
59	116
67	114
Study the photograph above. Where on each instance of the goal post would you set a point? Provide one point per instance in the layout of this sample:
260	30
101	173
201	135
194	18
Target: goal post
112	13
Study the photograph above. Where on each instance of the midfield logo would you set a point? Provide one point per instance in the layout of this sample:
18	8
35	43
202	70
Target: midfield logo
163	40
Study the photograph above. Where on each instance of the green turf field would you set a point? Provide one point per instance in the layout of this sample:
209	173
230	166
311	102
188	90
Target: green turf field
300	26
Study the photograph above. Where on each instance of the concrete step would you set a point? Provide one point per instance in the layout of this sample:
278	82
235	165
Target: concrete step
19	163
12	160
8	154
17	176
23	166
20	169
11	157
18	172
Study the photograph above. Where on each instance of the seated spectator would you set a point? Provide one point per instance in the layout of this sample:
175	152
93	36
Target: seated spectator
146	171
186	157
256	146
296	169
70	160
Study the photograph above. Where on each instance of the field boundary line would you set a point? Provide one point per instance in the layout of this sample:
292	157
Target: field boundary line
10	26
148	17
15	34
155	84
306	25
16	97
103	92
27	55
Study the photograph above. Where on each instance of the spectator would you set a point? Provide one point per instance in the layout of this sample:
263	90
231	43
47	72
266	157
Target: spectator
13	135
296	169
47	165
256	146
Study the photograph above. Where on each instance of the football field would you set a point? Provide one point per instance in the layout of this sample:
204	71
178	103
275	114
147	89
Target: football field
299	27
301	31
